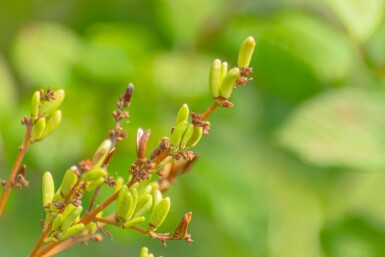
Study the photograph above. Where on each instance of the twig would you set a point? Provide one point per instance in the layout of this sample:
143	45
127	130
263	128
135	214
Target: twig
11	180
209	111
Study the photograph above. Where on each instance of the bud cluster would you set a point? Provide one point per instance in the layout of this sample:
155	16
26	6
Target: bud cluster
45	113
223	81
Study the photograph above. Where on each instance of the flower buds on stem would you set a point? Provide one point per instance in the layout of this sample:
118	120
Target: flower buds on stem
246	52
159	213
48	188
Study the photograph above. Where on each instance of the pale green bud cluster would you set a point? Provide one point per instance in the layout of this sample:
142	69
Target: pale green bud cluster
64	224
184	134
45	114
138	201
221	80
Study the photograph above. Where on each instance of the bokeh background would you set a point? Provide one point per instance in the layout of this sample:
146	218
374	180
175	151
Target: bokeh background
295	169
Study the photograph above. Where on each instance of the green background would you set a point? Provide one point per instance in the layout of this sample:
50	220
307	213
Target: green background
295	168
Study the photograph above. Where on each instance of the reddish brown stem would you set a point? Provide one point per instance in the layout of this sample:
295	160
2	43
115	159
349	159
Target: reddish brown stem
47	230
11	180
209	111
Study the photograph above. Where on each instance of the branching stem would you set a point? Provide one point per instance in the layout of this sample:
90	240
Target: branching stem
11	180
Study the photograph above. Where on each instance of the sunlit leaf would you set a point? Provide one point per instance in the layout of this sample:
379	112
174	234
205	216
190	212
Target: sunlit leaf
361	18
44	53
340	128
298	56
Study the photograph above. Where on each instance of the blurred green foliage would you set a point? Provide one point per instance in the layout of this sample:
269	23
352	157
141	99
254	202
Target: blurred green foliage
294	169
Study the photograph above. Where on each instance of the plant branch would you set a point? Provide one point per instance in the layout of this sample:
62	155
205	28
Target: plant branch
11	180
207	113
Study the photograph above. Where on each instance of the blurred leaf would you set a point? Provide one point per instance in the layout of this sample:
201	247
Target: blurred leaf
182	20
181	75
342	128
115	51
298	56
353	236
376	48
7	88
361	18
44	53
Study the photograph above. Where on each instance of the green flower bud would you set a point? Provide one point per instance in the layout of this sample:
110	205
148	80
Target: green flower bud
35	105
143	252
93	175
48	107
150	255
92	228
101	153
70	217
124	204
177	135
159	213
144	204
246	52
134	193
195	137
57	222
69	180
72	231
53	122
229	82
56	198
215	78
182	114
144	189
156	196
94	184
48	188
134	222
224	67
38	129
186	137
119	182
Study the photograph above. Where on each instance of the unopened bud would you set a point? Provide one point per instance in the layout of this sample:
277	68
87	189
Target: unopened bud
159	213
48	107
35	105
224	67
48	188
182	114
143	252
70	216
177	135
156	196
93	174
94	184
229	82
246	52
215	78
101	153
38	130
124	204
53	122
119	182
195	137
72	231
69	180
57	222
186	137
144	204
134	221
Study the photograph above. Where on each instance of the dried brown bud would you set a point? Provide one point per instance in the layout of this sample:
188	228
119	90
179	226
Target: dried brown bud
181	230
